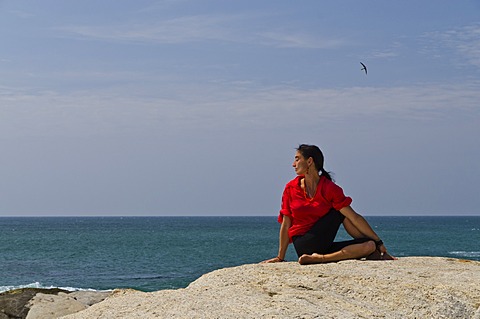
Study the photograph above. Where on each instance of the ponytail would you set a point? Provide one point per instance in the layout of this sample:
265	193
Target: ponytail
326	174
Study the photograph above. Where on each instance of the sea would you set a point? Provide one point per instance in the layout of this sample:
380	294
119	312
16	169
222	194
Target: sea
154	253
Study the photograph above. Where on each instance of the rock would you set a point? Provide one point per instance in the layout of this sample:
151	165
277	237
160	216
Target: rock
13	303
411	287
53	306
33	303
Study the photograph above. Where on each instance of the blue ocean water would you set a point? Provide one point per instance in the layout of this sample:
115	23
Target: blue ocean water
153	253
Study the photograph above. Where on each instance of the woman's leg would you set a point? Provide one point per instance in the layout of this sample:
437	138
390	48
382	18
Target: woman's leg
318	245
320	237
348	252
351	229
355	233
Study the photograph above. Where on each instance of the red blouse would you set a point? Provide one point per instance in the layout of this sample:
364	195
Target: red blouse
305	212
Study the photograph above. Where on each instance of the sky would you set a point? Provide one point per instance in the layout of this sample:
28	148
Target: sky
195	107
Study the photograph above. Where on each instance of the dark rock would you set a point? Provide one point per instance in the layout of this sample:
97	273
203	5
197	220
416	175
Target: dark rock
13	303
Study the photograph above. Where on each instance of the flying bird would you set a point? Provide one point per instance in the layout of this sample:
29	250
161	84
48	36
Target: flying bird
364	67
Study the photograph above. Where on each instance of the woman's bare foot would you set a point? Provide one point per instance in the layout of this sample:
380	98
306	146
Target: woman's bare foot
377	255
311	259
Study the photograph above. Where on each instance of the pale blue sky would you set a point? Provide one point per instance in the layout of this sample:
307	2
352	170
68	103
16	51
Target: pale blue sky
182	107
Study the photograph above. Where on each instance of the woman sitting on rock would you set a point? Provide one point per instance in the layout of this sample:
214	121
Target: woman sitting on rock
313	207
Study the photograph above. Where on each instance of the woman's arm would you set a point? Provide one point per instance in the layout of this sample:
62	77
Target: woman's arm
284	241
352	230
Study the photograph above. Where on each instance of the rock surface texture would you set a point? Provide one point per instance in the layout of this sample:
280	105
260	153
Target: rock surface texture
44	306
13	304
38	303
411	287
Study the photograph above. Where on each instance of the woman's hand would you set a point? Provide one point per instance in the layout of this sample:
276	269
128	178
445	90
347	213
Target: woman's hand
382	249
384	254
283	241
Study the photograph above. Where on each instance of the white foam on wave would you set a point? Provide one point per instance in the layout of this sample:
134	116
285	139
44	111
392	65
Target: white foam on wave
40	286
465	253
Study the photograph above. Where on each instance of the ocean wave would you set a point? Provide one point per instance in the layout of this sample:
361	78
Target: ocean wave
465	253
150	277
40	286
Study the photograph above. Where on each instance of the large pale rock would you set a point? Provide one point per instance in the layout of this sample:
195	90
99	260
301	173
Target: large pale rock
44	306
14	303
413	287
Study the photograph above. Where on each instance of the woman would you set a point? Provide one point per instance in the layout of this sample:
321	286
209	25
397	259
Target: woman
313	207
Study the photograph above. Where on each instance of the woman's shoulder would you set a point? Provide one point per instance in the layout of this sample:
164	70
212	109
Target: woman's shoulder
294	182
334	194
328	184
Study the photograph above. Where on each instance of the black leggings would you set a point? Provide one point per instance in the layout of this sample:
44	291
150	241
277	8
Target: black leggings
319	239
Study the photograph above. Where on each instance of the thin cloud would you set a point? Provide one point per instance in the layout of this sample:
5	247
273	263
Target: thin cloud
384	54
392	51
464	41
226	107
22	14
403	103
187	29
299	40
178	30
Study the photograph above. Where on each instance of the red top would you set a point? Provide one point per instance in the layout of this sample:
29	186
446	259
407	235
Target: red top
305	212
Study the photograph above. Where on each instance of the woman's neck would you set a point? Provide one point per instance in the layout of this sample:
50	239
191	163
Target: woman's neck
310	183
312	178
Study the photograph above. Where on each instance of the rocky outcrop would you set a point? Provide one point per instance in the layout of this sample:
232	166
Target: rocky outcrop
411	287
38	303
13	303
44	306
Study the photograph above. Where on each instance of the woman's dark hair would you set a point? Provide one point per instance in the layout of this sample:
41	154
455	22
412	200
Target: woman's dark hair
314	152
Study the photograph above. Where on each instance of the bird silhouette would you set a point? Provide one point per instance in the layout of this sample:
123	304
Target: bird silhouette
364	67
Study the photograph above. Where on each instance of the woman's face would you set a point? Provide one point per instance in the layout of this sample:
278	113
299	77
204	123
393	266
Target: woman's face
300	164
